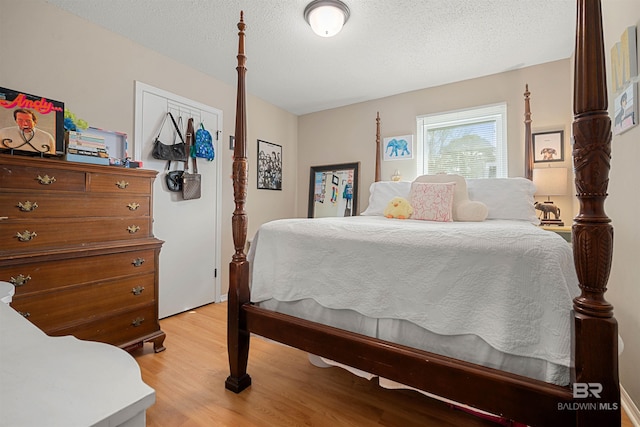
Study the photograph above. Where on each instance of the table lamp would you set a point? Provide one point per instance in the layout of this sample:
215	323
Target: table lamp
550	182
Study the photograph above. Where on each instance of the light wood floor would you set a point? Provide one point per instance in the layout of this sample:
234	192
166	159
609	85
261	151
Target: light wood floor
286	389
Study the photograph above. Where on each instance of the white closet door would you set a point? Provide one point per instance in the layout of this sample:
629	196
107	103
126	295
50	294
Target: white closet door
190	257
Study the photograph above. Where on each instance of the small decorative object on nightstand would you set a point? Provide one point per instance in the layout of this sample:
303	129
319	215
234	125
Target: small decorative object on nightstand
550	182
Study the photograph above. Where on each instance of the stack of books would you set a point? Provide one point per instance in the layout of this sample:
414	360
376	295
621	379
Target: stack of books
86	148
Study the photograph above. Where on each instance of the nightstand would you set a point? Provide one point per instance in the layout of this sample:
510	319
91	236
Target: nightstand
564	231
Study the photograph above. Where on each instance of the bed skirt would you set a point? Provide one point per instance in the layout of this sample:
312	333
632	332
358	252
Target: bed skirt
469	348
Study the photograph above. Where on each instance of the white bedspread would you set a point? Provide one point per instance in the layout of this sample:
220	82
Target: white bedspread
508	282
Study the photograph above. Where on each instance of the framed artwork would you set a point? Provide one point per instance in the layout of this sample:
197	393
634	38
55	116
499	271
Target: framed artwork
398	148
333	190
624	59
626	109
548	146
31	124
269	166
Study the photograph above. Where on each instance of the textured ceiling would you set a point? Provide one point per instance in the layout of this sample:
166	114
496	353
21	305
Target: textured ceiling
386	47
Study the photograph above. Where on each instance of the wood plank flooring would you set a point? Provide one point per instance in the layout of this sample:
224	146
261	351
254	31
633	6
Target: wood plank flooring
286	389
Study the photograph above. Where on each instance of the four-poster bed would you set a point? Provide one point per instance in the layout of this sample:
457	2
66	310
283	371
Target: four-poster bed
593	396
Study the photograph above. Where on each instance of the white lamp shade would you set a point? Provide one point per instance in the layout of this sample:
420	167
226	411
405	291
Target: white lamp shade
326	21
550	181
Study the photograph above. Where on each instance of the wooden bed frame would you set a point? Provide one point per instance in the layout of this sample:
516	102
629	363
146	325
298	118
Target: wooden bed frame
593	399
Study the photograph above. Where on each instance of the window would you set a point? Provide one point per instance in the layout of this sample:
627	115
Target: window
471	142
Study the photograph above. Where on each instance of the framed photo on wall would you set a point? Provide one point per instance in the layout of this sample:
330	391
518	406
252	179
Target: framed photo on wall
626	109
269	166
333	190
548	146
30	124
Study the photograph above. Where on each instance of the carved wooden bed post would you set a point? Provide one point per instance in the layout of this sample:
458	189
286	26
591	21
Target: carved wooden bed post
528	143
237	335
592	231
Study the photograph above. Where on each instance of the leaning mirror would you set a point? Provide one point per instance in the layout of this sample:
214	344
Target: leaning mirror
333	190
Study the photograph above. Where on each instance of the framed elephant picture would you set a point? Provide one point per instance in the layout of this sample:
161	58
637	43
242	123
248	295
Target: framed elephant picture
398	148
548	146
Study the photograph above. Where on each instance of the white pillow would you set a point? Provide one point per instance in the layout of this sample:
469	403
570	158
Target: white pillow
382	192
506	198
471	211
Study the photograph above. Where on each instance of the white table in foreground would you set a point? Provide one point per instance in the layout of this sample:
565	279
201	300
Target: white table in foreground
65	382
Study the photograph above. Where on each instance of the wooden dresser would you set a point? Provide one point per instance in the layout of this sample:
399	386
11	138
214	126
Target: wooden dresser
77	242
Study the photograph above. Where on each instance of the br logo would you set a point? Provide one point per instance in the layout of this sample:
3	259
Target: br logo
585	390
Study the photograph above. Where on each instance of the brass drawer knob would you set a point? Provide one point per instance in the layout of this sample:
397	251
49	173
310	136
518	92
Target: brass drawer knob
27	206
137	262
122	184
133	206
133	229
137	290
46	180
137	321
26	235
20	280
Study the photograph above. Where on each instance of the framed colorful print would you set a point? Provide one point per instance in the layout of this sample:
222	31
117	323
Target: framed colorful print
30	124
398	148
333	190
548	146
269	166
626	109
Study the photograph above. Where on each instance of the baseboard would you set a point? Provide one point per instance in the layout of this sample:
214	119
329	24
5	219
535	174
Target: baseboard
224	297
629	407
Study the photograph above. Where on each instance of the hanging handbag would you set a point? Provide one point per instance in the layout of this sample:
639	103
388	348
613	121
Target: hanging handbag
191	182
173	179
204	145
176	151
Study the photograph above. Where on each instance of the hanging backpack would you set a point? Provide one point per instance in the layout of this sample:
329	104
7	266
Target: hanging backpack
204	145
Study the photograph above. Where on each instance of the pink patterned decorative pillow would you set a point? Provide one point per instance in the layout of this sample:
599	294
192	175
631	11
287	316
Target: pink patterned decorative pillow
432	201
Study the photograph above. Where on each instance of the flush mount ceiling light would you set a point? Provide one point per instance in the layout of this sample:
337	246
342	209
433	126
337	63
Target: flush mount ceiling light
326	17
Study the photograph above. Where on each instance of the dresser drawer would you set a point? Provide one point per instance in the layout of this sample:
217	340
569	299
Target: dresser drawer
41	178
42	205
69	307
121	184
37	277
27	235
119	329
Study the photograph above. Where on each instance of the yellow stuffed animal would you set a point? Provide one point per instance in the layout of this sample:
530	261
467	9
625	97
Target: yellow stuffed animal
398	207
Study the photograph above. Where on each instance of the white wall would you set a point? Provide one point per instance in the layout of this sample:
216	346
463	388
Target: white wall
622	206
93	71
